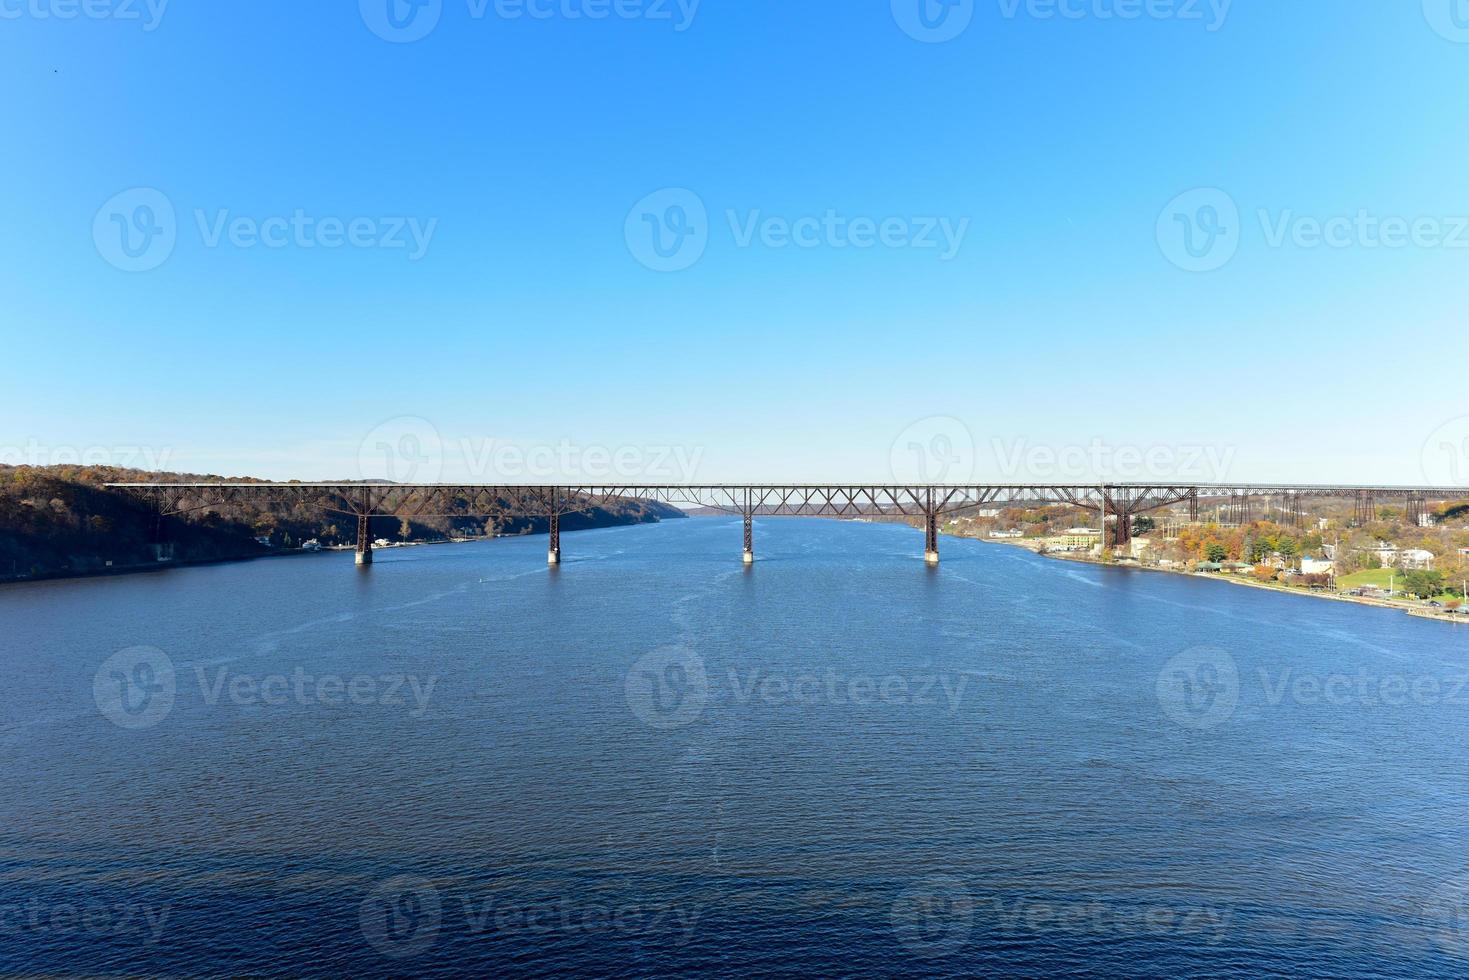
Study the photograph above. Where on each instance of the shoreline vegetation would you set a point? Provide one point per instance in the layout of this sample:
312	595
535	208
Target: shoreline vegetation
62	522
1405	606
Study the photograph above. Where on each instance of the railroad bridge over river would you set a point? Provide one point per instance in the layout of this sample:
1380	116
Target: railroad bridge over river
1115	504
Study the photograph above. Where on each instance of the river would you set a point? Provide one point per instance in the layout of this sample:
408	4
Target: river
653	760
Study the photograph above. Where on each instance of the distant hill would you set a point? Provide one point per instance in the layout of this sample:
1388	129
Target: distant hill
60	521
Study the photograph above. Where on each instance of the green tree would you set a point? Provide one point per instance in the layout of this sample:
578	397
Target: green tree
1423	584
1215	552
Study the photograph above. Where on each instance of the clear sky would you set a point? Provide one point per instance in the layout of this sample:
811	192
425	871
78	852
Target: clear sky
739	239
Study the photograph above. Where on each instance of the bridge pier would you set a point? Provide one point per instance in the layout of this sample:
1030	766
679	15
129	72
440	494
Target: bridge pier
749	557
930	532
1366	508
1415	510
553	554
1241	509
364	539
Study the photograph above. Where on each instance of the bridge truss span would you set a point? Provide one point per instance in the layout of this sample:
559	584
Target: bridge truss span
1115	504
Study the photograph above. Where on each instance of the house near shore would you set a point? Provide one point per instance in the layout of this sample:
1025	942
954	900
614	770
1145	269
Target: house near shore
1317	566
1415	558
1386	554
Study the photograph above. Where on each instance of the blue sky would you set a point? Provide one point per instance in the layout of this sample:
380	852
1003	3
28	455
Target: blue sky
1066	156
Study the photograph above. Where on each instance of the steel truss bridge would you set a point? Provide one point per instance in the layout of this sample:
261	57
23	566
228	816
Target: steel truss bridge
1115	504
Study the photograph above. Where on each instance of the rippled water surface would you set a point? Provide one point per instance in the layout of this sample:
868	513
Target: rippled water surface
655	761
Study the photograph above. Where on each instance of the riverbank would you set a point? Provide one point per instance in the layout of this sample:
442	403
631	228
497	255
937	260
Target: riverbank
1422	612
144	568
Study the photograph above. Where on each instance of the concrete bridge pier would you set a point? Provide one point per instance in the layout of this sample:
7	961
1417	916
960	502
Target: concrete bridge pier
553	555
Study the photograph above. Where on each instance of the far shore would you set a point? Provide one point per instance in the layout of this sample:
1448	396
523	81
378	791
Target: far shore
1422	612
144	568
